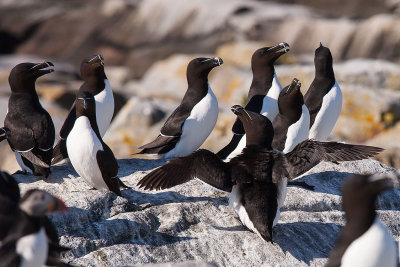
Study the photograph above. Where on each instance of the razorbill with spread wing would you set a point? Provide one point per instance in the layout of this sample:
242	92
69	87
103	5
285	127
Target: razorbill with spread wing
263	95
30	128
194	119
95	82
253	177
92	159
324	97
364	241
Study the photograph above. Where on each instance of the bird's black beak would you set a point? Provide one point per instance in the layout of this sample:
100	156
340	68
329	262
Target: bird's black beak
97	59
216	61
4	133
241	113
295	85
281	48
320	44
41	69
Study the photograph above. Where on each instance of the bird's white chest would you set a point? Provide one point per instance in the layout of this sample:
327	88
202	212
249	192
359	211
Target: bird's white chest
328	114
270	102
104	108
82	147
235	201
375	247
298	132
197	126
33	249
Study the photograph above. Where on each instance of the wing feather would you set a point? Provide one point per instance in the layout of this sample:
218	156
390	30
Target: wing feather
201	164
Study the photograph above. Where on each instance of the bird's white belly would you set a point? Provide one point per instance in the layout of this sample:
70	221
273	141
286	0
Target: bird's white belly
269	109
281	196
197	126
375	247
238	150
270	102
104	108
327	115
21	163
82	146
33	249
298	132
235	201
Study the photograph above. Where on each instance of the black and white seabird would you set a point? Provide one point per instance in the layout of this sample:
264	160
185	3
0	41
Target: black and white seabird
10	213
263	95
26	242
29	128
194	119
92	159
324	97
291	125
95	82
253	177
364	241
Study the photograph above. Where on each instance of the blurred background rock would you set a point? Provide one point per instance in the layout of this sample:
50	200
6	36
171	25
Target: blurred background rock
147	45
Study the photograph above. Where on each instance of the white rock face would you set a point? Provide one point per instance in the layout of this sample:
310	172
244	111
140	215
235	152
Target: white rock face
193	222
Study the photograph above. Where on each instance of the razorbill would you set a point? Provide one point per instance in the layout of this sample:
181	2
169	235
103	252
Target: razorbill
26	242
9	212
291	125
92	159
194	119
95	82
324	97
30	128
263	94
253	177
364	240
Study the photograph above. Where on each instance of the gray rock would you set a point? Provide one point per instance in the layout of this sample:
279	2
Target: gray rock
193	222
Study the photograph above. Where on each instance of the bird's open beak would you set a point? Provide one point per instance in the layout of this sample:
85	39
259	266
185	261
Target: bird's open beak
241	113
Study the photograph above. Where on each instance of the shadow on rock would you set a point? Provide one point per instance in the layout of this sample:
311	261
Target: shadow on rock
306	240
328	182
130	166
169	197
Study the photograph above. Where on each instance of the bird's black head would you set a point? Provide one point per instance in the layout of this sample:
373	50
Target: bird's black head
360	192
92	67
199	68
267	56
85	104
258	128
23	76
38	203
290	101
323	60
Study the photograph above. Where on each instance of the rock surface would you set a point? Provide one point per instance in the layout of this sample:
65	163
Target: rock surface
193	222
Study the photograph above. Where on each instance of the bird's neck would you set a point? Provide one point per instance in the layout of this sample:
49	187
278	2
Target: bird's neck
262	81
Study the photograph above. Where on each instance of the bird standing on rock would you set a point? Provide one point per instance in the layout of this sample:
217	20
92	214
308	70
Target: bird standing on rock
28	127
92	159
253	178
193	120
324	97
263	95
95	82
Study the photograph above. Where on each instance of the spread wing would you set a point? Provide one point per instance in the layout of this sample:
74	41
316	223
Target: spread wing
309	153
201	164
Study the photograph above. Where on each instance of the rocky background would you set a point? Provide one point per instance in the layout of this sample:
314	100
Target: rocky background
147	45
